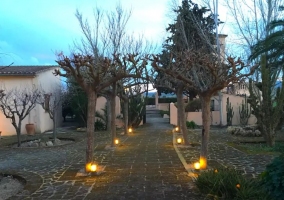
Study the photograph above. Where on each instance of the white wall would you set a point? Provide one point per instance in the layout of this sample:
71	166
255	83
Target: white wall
236	101
44	81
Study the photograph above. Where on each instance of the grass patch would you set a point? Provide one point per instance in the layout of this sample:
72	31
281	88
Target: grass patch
225	183
259	147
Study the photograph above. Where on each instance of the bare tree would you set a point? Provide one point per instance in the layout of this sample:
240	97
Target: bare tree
16	104
94	74
52	104
195	61
109	37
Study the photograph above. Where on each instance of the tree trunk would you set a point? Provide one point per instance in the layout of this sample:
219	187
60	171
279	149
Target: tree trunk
92	100
220	107
125	113
54	125
205	106
108	117
269	135
113	114
179	102
18	130
181	115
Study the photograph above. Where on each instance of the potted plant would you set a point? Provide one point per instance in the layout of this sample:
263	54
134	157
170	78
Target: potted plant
30	128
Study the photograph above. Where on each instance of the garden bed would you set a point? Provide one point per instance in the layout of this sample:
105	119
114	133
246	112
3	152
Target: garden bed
10	185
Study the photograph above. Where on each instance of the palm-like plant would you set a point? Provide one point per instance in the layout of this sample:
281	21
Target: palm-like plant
272	45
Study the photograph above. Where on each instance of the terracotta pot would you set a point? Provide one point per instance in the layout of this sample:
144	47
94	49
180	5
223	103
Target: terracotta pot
30	128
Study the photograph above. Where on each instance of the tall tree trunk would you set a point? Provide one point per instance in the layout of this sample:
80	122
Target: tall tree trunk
54	128
125	113
268	134
92	101
113	114
179	102
18	130
205	105
181	115
108	117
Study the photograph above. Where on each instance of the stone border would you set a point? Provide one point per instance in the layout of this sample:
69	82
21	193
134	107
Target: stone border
188	167
32	182
74	140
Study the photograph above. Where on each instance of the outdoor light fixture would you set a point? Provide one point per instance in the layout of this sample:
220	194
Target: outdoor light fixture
176	129
203	162
196	165
116	141
130	130
91	167
179	140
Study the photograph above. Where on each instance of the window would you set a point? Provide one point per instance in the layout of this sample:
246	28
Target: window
212	105
46	102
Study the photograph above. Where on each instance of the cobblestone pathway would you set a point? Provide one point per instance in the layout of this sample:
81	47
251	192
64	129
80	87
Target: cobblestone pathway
144	166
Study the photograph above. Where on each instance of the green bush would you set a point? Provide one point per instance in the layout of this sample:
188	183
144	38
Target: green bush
150	101
193	106
225	183
167	100
191	124
273	178
99	125
162	112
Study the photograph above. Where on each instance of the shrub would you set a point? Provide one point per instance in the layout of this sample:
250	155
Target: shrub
273	178
191	124
162	112
99	125
227	183
193	106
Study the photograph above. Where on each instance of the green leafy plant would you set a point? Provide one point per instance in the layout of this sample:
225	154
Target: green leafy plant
230	112
191	124
273	178
99	125
225	183
193	106
136	110
162	112
245	112
102	116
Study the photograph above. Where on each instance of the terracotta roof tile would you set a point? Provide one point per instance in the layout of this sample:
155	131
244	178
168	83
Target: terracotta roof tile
29	70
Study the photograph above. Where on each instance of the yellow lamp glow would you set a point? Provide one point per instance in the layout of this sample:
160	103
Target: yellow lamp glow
203	162
130	130
116	141
91	167
179	140
238	186
196	165
176	129
216	171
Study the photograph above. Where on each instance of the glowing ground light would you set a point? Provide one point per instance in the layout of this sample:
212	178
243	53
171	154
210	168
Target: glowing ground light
238	186
196	165
130	130
91	167
216	171
176	129
179	140
116	141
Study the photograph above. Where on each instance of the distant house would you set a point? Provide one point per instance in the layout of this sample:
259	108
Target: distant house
40	77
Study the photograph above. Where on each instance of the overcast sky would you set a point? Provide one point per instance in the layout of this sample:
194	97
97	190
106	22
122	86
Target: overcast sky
31	31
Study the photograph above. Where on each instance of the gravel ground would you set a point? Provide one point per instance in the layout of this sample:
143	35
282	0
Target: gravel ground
9	186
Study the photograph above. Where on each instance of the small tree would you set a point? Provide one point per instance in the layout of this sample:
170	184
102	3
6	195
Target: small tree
16	104
52	103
